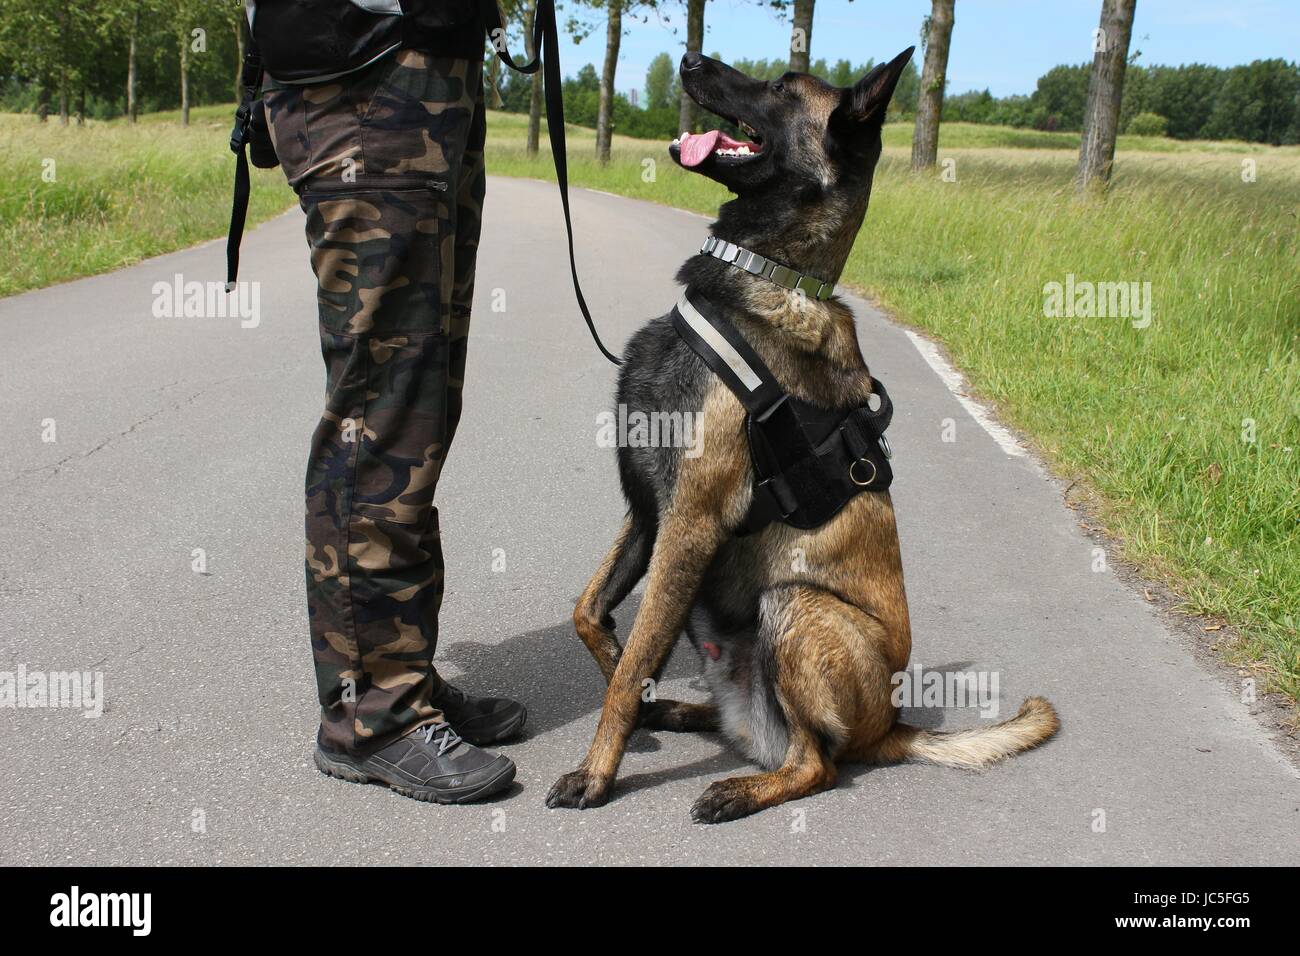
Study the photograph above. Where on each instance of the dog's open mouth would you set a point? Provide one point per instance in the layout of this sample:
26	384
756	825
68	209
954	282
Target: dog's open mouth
692	149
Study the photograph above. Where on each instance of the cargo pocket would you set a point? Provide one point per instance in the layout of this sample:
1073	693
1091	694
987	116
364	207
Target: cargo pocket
402	435
380	248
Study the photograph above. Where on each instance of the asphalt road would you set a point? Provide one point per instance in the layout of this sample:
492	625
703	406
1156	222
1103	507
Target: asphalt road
177	434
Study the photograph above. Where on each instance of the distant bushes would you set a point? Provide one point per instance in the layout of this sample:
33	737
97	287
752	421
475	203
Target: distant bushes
1148	124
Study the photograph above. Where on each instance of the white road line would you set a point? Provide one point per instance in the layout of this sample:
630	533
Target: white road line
956	384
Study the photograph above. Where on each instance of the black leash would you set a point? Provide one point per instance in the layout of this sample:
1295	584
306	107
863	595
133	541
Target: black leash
546	56
546	40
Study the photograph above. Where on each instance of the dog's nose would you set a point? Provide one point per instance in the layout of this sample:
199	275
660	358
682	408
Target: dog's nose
692	61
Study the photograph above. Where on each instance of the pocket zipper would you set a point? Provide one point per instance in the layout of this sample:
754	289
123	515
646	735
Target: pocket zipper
375	183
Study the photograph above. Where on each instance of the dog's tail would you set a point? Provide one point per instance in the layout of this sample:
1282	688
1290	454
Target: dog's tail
972	749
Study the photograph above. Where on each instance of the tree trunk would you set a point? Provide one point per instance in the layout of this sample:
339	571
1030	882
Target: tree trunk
239	58
535	81
493	97
1105	91
605	118
43	103
929	105
81	105
801	35
130	67
185	80
690	113
63	66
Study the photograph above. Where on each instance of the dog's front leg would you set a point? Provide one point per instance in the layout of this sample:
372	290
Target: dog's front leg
687	543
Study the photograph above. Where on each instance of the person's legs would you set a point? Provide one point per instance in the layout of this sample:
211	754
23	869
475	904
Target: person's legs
471	187
378	160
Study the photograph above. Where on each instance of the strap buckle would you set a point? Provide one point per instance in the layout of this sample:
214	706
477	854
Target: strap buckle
243	120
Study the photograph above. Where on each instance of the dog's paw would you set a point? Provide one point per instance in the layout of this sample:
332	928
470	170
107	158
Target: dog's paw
579	789
723	801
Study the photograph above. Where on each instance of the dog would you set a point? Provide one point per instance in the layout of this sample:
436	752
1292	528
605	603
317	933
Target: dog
799	632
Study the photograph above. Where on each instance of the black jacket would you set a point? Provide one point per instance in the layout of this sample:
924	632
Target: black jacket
304	41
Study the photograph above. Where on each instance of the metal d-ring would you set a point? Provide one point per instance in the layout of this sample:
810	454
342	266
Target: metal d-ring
854	478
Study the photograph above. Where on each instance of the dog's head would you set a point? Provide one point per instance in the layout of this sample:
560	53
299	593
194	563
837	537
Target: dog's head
804	134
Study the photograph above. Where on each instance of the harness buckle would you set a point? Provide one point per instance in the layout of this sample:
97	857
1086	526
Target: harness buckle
884	446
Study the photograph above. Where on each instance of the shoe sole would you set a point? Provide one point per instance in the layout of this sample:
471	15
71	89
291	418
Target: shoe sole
346	771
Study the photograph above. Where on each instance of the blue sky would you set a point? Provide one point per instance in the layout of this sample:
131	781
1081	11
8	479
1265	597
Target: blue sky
1004	45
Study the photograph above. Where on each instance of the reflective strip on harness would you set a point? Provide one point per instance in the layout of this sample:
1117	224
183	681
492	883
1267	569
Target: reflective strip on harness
713	338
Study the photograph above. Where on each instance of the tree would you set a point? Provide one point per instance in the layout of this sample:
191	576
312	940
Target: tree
613	38
615	10
690	113
1060	97
181	17
659	82
1105	94
801	35
936	35
534	81
232	15
133	33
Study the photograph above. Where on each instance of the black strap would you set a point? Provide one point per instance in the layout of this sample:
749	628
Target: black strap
758	400
250	78
546	48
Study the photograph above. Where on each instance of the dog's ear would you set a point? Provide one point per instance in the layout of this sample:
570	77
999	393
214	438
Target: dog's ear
865	101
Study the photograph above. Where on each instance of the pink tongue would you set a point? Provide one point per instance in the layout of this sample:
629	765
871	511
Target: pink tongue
696	147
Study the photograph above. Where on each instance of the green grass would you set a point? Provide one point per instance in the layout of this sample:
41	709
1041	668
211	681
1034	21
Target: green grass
1149	420
120	194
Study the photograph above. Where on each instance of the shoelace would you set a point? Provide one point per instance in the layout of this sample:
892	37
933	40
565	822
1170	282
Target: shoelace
448	739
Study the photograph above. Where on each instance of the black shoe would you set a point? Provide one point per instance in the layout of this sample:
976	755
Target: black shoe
480	720
430	763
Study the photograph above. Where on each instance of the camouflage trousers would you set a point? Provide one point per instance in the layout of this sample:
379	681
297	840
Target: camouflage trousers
389	167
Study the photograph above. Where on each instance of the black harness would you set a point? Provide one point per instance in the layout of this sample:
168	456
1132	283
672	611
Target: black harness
809	462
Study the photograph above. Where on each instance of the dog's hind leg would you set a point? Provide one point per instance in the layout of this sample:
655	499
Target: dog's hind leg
678	716
814	657
617	575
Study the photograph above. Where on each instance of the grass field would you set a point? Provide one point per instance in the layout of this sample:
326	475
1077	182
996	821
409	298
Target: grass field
1185	434
119	194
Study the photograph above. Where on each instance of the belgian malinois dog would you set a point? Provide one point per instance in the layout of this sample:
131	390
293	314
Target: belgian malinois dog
799	654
